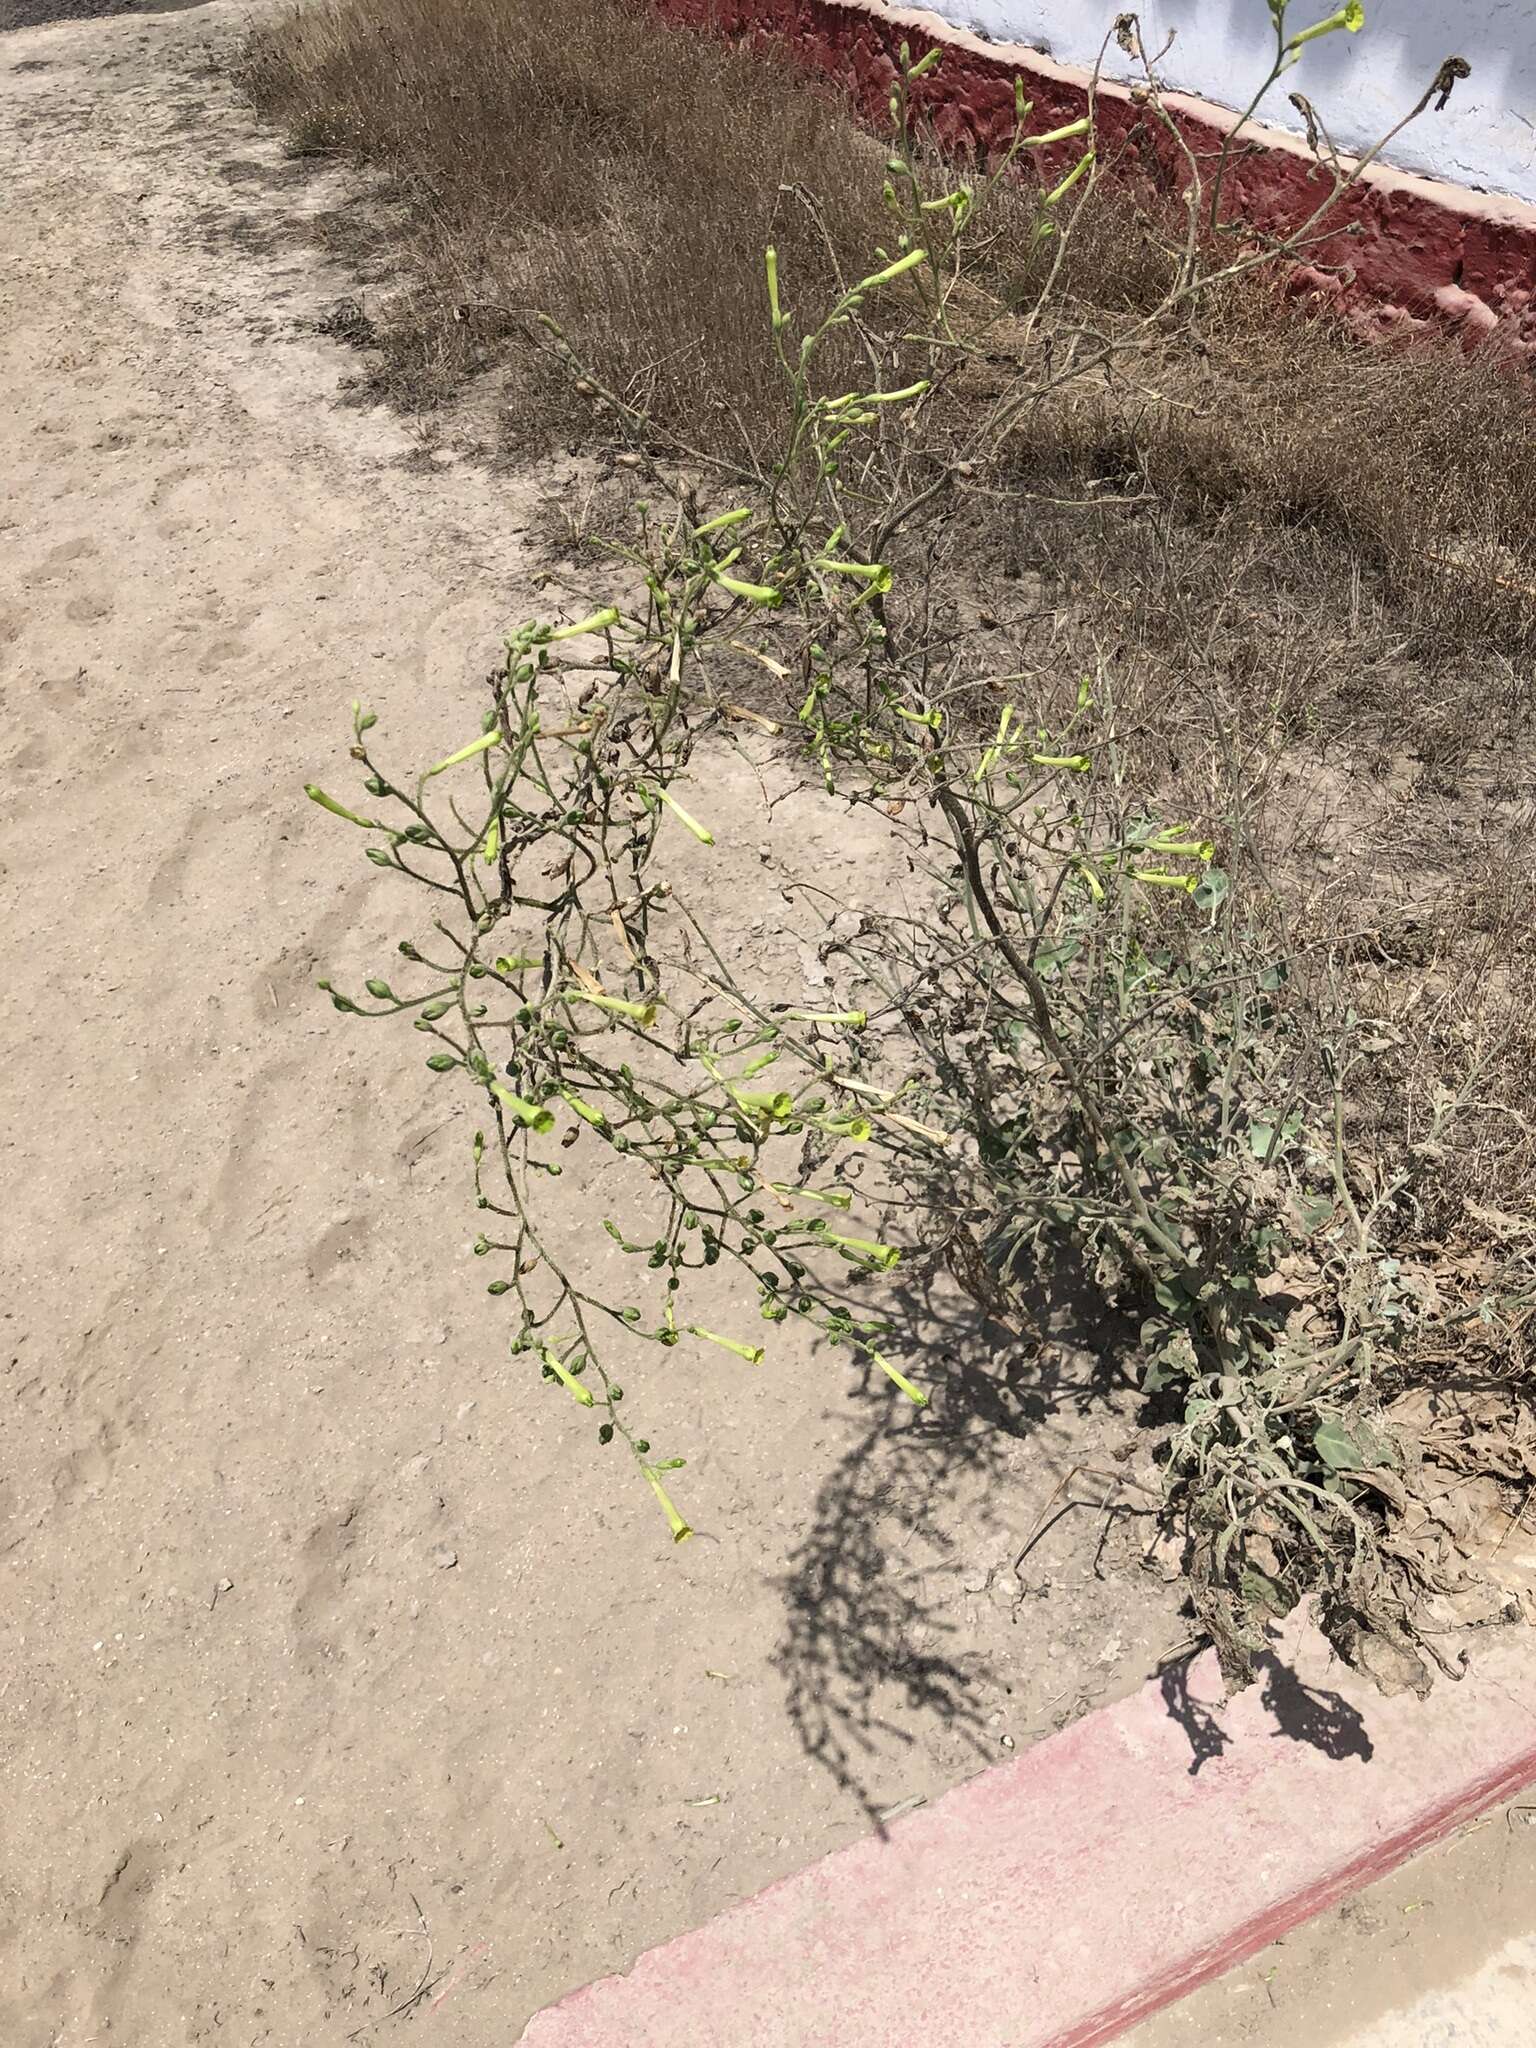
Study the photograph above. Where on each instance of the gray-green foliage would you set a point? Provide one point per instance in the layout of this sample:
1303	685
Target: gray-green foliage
1081	1047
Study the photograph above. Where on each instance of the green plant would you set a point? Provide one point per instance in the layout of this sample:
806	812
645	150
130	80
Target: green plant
1086	1046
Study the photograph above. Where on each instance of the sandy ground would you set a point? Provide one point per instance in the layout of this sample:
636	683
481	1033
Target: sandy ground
1441	1954
338	1662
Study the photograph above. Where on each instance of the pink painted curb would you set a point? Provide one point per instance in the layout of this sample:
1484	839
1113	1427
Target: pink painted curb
1054	1900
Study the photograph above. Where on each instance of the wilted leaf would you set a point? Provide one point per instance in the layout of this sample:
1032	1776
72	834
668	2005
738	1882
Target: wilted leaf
1260	1590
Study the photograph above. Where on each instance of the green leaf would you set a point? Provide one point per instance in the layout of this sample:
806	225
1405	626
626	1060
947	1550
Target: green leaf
1056	954
1267	1140
1343	1450
1212	889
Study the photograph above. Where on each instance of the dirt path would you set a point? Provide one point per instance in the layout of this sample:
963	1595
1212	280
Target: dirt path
335	1663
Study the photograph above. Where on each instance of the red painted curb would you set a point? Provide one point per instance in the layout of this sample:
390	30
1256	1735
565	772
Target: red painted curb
1056	1899
1411	251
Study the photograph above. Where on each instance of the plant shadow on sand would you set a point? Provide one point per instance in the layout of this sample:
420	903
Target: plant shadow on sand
878	1641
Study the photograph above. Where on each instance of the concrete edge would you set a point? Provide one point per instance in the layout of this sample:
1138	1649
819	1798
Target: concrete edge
1460	1804
1056	1899
1404	251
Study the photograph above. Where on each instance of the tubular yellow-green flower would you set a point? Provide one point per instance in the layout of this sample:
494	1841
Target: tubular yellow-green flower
893	270
585	1110
993	754
567	1380
643	1014
680	1529
483	745
754	593
1185	849
771	260
700	832
1350	17
318	796
1156	879
917	390
723	520
752	1353
912	1393
763	1103
875	574
882	1255
1057	134
598	623
855	1128
529	1113
1079	170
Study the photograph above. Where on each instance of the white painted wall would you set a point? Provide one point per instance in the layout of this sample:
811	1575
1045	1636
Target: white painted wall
1360	84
